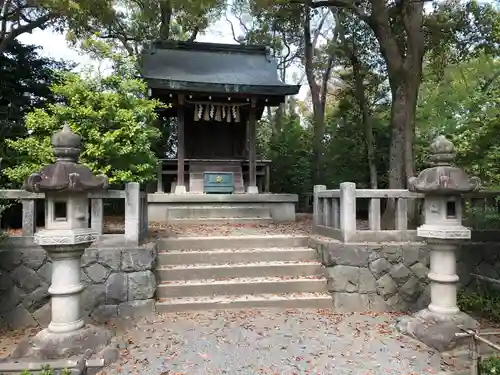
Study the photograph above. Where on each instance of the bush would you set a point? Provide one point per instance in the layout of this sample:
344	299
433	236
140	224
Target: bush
113	115
484	302
47	370
490	366
485	219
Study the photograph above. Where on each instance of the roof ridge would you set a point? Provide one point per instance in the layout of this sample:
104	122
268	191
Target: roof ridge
254	49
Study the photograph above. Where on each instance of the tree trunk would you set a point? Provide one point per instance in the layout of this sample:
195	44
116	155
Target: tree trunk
318	144
402	126
318	96
365	115
166	17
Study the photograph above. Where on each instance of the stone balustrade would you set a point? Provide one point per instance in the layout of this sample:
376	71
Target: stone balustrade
372	268
136	213
335	212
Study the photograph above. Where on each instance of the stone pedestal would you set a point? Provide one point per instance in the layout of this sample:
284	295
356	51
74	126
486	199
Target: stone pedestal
66	289
443	279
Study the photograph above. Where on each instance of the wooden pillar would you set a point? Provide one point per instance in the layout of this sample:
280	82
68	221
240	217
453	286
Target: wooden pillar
252	149
267	174
180	187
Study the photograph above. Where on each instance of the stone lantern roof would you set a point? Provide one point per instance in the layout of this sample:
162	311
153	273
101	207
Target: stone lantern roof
443	178
66	174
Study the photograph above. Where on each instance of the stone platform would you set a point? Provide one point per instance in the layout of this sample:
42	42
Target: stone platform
221	208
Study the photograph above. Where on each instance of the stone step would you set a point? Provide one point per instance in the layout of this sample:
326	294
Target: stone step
239	286
231	242
286	301
257	269
217	211
178	257
222	221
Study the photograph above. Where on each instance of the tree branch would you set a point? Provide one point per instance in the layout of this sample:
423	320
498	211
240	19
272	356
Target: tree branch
354	6
3	30
308	58
317	32
14	33
166	17
232	29
194	34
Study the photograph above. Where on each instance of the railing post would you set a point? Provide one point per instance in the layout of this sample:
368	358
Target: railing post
401	214
132	213
97	215
327	212
335	213
374	214
347	210
144	216
159	181
29	217
317	208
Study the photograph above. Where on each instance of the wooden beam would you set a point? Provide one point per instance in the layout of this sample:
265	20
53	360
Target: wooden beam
267	175
181	144
252	149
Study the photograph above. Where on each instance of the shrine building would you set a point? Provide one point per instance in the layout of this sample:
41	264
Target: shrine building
215	93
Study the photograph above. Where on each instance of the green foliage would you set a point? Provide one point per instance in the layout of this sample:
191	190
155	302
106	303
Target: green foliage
112	114
26	16
132	24
485	302
26	78
465	106
490	366
290	152
487	218
47	370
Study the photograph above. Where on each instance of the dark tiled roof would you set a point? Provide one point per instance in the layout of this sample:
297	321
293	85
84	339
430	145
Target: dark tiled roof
211	67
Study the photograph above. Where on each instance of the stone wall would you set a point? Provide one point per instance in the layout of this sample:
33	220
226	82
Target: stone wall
393	276
120	281
376	277
481	258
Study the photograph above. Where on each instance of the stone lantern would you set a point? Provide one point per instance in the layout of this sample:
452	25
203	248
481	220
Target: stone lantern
66	185
442	184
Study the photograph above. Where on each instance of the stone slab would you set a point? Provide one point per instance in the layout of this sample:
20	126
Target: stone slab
76	366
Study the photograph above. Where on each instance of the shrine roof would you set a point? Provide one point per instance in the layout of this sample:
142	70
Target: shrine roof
213	68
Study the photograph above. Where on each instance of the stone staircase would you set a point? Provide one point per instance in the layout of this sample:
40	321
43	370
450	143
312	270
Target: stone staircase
206	273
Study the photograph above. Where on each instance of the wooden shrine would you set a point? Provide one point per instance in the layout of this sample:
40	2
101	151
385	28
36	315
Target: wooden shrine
217	93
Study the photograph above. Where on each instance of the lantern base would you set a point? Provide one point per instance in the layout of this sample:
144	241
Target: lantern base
437	330
47	345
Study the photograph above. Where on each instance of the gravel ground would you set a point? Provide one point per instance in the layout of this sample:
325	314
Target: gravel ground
302	226
292	342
